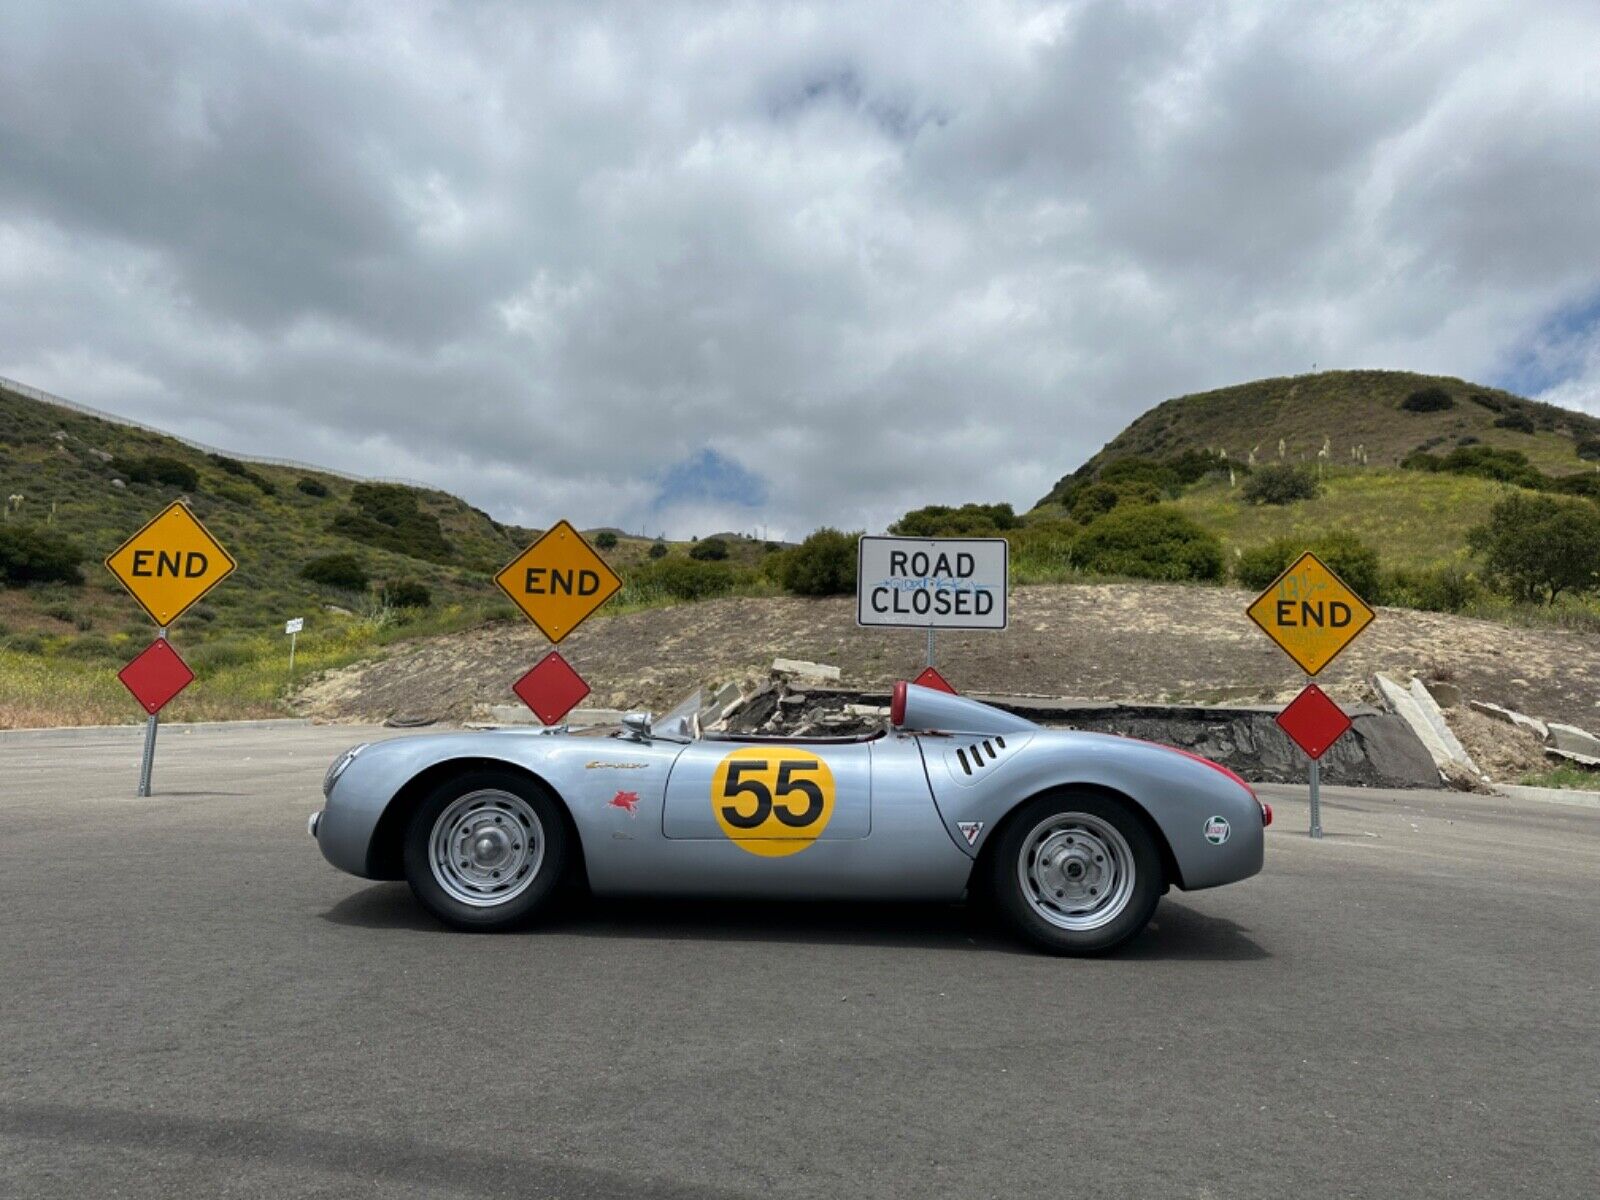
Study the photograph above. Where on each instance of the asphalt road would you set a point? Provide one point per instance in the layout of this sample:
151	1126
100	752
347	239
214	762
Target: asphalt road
192	1003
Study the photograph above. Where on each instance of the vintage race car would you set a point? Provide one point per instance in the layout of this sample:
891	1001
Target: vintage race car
1075	836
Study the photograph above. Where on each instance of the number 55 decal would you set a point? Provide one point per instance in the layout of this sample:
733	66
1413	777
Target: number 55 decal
772	800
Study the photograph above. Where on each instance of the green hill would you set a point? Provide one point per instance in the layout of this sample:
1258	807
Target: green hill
1372	418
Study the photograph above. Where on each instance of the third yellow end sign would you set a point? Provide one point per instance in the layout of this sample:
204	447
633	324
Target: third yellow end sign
1311	613
558	581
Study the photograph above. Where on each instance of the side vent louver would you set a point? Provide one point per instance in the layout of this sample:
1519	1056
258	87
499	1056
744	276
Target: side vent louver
974	760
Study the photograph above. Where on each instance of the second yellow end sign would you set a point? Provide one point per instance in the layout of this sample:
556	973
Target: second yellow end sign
1311	613
558	581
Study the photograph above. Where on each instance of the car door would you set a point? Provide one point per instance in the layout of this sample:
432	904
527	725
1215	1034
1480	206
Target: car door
752	812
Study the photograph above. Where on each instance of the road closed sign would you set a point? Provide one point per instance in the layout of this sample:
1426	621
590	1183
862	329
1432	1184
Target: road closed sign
170	563
932	583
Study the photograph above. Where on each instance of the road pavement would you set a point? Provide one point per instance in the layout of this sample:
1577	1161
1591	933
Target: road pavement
195	1004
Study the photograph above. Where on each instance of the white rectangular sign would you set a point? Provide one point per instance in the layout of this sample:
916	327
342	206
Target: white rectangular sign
294	625
932	583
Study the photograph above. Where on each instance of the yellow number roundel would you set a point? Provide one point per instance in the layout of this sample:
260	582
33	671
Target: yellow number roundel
772	800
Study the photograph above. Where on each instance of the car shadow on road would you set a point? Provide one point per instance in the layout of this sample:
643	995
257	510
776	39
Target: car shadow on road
1178	932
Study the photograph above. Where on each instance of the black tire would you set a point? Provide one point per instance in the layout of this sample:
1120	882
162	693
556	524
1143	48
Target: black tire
495	795
1012	896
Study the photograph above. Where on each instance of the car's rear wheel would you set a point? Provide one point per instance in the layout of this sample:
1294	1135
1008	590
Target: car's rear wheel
485	850
1076	873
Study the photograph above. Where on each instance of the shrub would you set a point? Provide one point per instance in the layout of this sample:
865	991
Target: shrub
1449	588
1042	548
90	646
713	549
1281	483
1347	556
343	571
970	520
33	555
234	467
684	578
311	487
407	593
1537	547
388	516
658	549
1149	542
605	540
1589	449
1428	399
822	565
158	468
1578	485
1100	498
1519	422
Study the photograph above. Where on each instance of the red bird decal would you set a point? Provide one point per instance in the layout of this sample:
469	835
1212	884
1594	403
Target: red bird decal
626	800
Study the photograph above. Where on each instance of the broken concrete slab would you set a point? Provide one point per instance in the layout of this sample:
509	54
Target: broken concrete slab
799	668
1435	717
1405	706
1572	740
1583	760
1511	717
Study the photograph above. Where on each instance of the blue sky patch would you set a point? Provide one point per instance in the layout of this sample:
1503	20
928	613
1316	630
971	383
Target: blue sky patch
709	478
1556	351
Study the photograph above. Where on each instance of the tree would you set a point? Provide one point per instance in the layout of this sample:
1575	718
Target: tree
822	565
1346	555
1280	483
658	549
1537	547
940	520
606	540
713	549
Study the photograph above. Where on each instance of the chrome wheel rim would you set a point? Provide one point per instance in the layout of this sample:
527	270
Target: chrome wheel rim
486	848
1076	871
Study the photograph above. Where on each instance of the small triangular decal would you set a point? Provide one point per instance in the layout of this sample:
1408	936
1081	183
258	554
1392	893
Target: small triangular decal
970	830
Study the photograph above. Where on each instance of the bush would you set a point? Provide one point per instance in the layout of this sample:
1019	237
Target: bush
1537	547
605	540
33	555
1518	422
1346	555
713	549
1449	588
388	516
311	487
1281	483
343	571
684	579
158	468
234	467
1149	542
91	646
1041	548
1100	498
822	565
407	593
658	549
1589	449
1578	485
1428	399
970	520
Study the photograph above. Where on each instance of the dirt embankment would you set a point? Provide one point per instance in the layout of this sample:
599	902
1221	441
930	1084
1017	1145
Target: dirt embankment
1146	642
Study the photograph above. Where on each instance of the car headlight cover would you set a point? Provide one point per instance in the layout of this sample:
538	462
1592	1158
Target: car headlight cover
338	767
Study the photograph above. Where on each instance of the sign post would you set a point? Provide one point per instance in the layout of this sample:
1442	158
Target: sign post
932	584
292	627
166	566
1312	615
557	583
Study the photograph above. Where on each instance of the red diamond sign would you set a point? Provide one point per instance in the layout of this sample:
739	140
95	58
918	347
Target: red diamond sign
932	679
156	676
1313	721
551	689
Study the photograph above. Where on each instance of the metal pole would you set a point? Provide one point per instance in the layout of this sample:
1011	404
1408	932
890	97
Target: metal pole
292	637
149	741
1316	798
930	645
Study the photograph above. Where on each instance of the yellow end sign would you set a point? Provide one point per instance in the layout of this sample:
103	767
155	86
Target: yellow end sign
170	563
1311	613
558	581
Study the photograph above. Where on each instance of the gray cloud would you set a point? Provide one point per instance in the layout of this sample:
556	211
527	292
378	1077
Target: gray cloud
856	257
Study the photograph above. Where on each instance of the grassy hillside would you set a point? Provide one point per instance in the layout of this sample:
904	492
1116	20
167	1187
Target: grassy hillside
1353	413
93	482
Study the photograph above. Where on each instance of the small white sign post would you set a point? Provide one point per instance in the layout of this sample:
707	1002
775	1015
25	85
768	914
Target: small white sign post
932	583
292	627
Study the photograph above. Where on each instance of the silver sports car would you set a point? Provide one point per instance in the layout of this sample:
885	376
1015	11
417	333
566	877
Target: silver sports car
1074	835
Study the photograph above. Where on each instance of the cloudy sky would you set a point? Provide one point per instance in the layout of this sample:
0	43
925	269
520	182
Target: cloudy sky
689	266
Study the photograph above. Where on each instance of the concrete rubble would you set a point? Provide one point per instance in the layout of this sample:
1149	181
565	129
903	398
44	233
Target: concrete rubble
1512	717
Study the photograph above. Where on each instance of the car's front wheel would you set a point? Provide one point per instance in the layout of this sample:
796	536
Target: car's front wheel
485	850
1076	873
